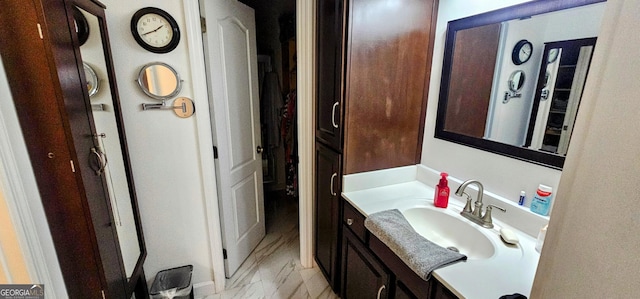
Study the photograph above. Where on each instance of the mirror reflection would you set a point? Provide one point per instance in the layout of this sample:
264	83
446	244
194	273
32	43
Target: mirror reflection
109	142
558	97
516	81
159	81
93	83
486	102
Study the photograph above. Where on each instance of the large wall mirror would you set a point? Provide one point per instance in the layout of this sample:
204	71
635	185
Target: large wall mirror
550	43
112	161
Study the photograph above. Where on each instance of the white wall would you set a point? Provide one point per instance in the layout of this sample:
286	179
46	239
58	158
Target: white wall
598	194
501	175
164	149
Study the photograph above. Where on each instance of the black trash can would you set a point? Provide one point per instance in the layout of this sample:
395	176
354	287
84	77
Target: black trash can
173	283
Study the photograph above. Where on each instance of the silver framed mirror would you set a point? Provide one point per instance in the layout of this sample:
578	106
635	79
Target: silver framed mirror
159	81
93	83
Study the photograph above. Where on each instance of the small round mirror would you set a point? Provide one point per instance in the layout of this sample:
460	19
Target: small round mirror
92	79
516	81
159	81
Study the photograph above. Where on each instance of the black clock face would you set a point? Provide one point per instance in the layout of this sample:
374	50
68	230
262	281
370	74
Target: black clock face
155	30
522	52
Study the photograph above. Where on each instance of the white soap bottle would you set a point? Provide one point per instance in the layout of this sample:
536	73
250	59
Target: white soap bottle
541	235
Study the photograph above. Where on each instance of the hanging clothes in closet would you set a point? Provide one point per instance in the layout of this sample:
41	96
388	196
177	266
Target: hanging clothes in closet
290	140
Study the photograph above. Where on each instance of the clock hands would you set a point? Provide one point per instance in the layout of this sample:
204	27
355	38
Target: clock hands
152	31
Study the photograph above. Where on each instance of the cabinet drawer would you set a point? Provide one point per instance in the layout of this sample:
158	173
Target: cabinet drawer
354	220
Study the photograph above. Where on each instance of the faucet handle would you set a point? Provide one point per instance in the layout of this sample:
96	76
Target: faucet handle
467	206
488	221
497	207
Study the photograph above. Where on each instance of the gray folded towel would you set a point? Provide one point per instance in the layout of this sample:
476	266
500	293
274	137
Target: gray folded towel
420	254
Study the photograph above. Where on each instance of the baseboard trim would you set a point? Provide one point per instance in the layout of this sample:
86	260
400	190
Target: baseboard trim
204	289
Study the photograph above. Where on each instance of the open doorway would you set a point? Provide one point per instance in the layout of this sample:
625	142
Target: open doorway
277	70
275	266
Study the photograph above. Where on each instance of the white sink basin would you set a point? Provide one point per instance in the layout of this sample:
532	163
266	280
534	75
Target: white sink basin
447	230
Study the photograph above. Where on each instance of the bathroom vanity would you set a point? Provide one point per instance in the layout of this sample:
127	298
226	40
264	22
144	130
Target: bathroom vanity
511	85
493	268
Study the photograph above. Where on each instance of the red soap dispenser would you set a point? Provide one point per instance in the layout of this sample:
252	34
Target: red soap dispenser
441	197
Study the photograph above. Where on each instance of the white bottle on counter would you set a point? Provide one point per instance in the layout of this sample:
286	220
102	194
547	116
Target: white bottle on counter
541	235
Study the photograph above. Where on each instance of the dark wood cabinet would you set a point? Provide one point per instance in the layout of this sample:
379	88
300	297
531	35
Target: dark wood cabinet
441	292
368	264
329	73
327	207
373	68
363	276
388	53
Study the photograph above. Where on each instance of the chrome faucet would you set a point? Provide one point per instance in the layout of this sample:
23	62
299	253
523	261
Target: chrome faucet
475	214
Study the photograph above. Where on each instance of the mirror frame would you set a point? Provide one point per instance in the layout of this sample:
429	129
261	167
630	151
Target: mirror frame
136	284
146	90
501	15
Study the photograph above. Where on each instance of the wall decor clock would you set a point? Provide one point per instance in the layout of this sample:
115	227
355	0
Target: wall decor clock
553	55
521	52
155	30
81	26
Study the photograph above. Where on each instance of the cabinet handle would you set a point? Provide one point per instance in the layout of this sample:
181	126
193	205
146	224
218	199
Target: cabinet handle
380	291
102	160
349	221
333	176
333	115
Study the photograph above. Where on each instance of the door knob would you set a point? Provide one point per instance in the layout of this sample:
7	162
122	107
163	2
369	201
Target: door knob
259	149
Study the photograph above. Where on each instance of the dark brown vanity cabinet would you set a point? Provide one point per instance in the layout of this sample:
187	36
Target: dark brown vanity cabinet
363	276
329	73
327	212
371	270
372	83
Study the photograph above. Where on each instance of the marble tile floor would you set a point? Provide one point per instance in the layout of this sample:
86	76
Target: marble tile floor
273	269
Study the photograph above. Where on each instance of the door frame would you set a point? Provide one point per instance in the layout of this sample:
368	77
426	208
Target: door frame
305	43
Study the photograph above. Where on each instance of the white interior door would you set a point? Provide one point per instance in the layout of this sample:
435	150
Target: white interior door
231	60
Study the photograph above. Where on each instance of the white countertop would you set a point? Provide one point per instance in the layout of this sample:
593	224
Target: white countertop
510	270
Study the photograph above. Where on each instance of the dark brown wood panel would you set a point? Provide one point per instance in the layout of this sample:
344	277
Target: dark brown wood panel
329	26
388	62
353	220
474	62
37	94
412	283
68	62
327	212
441	292
363	275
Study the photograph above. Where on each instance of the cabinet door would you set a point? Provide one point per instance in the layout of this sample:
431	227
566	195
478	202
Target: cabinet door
329	103
403	292
386	82
441	292
363	275
327	212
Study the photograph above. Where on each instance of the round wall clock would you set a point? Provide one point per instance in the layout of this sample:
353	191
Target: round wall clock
155	30
82	26
522	52
553	55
